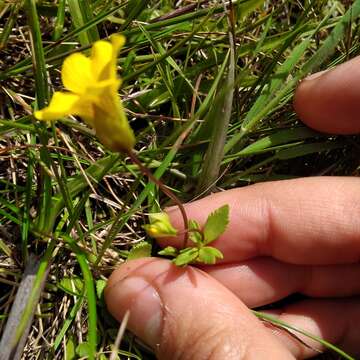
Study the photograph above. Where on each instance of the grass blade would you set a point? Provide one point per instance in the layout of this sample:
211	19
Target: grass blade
60	19
90	295
42	89
221	119
281	324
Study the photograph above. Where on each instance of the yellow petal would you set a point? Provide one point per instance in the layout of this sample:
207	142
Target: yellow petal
77	73
64	104
102	88
104	55
101	56
117	41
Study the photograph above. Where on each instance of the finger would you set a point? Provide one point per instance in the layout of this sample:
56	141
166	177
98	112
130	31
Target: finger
333	320
302	221
263	281
329	101
185	314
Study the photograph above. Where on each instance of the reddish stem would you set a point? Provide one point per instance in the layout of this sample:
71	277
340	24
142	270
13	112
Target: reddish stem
165	190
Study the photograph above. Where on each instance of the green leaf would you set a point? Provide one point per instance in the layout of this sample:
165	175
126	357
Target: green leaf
140	250
72	285
187	256
209	255
100	286
246	7
70	349
169	251
216	224
195	236
84	350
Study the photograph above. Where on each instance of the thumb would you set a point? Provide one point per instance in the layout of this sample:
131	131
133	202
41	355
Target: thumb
183	313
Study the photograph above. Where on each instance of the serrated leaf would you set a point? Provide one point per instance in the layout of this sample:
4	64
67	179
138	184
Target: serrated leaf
195	236
140	250
169	251
100	286
186	257
216	224
209	255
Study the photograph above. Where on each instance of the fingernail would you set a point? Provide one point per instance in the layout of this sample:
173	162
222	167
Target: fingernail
316	75
143	301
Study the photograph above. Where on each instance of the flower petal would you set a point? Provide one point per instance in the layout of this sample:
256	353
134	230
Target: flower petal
117	41
97	91
64	104
101	56
77	73
104	55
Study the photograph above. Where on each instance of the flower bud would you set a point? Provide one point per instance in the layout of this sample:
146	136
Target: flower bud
160	225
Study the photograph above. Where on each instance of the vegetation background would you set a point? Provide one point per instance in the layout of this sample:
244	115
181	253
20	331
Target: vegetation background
207	87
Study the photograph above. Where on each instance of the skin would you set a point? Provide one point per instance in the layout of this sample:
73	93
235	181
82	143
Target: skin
285	237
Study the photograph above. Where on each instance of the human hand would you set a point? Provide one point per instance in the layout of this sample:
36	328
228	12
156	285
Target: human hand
296	236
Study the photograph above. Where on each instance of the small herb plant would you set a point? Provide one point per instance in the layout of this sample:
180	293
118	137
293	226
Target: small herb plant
92	93
201	252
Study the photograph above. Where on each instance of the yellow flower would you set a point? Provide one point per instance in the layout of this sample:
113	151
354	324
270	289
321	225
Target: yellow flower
92	86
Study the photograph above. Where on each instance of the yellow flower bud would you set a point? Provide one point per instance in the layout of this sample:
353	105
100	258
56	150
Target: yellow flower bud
160	226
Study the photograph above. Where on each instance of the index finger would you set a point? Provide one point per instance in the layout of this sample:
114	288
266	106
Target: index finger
329	101
303	221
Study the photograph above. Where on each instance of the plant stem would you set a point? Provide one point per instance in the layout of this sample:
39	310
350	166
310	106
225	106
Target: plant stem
165	190
193	230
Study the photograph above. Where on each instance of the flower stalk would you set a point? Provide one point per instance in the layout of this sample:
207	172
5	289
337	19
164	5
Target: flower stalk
164	189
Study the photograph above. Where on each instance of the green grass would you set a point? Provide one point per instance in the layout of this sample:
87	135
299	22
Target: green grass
77	207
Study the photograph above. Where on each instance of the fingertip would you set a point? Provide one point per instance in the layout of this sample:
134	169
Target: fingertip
328	101
129	290
122	271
